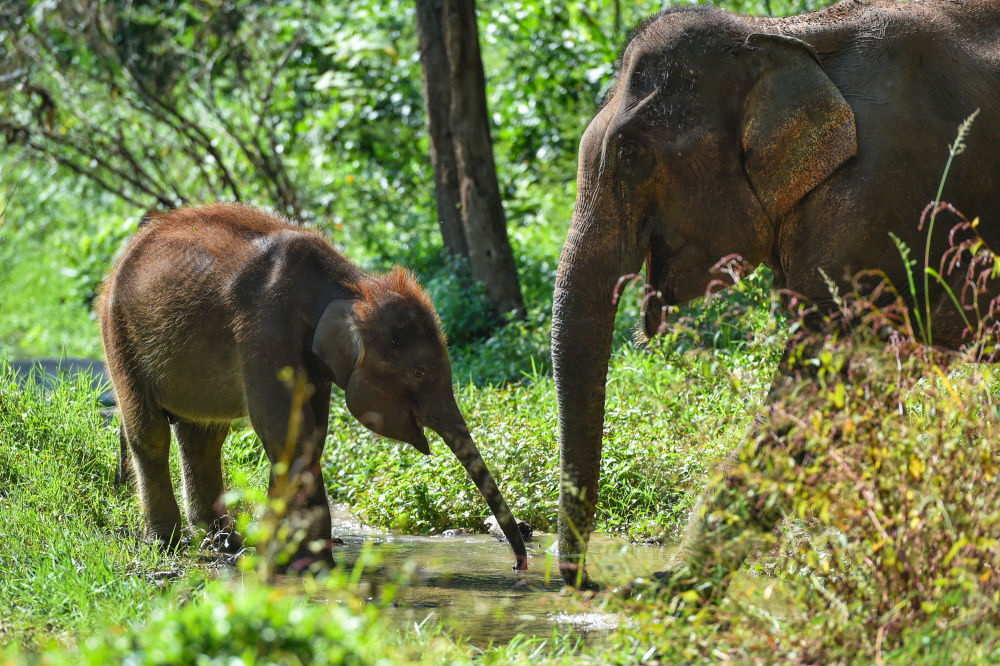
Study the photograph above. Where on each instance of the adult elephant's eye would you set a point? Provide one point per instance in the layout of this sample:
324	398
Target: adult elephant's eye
419	371
635	161
628	151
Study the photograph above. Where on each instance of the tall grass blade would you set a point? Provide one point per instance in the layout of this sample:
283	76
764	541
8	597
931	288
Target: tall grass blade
956	149
904	253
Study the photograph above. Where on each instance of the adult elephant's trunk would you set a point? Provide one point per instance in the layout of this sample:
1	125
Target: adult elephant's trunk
456	435
583	316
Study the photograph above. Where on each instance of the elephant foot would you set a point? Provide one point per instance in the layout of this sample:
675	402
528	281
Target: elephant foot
169	541
222	538
315	557
520	563
576	577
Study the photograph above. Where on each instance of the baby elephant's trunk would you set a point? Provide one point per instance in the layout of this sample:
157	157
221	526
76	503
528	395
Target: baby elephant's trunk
460	442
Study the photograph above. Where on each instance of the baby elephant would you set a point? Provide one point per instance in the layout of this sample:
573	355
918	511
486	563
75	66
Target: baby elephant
221	311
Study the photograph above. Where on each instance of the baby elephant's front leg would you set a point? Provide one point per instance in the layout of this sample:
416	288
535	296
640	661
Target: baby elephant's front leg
292	424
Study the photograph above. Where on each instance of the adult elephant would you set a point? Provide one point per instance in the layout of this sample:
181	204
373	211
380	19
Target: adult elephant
800	143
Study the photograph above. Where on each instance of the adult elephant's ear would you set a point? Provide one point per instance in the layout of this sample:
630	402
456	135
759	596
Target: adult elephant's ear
336	341
797	127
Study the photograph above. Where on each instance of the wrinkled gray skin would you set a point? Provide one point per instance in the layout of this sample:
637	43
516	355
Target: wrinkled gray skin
797	143
223	311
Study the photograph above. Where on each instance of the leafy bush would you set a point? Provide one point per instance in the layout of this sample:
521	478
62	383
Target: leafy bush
882	459
901	482
899	472
250	623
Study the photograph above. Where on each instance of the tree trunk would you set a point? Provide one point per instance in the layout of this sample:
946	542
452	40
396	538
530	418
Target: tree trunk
455	94
437	103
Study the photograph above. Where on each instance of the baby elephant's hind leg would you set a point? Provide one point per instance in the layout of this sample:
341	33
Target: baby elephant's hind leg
148	438
124	472
201	467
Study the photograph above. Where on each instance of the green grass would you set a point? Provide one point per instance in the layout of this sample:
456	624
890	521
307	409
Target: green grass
70	558
77	584
77	580
49	270
74	561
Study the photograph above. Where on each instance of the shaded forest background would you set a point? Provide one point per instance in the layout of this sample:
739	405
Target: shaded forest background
111	109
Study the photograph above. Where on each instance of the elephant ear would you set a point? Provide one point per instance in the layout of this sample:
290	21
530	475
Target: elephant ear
336	341
797	127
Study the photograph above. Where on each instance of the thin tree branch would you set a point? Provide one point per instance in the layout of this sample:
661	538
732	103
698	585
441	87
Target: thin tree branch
267	162
272	125
203	139
91	175
94	154
70	93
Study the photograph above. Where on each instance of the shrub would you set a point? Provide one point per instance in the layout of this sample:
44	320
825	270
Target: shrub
249	623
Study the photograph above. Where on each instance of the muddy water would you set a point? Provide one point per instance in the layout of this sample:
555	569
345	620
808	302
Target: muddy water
467	584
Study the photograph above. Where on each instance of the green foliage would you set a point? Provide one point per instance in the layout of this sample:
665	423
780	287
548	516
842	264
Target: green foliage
52	259
891	548
70	557
518	350
252	624
902	483
882	464
226	622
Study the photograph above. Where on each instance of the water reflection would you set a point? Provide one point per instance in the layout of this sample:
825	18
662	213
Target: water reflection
467	583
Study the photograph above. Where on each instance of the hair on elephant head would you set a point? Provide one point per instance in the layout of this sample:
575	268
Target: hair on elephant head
796	143
388	353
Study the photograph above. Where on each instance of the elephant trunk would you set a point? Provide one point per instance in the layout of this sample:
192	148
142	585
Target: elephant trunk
459	440
583	315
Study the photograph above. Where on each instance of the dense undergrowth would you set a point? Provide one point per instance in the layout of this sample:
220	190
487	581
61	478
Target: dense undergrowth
889	552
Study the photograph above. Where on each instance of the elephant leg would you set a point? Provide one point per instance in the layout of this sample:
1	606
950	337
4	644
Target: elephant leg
124	472
292	423
148	437
200	448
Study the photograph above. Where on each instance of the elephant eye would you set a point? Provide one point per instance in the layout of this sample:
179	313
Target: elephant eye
419	371
628	151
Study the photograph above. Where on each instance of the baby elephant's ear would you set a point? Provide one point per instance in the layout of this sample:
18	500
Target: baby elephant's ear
337	342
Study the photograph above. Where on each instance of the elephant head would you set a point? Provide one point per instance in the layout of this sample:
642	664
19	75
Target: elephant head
386	350
710	138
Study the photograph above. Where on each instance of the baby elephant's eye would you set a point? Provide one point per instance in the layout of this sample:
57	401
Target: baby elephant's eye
419	371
